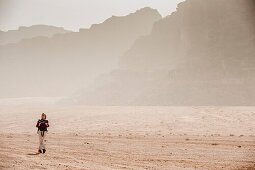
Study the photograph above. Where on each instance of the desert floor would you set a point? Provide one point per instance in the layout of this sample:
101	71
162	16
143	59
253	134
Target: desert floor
129	137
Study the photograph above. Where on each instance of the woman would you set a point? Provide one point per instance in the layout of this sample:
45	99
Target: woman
42	125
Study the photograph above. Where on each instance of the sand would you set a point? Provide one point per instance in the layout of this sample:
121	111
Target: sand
118	137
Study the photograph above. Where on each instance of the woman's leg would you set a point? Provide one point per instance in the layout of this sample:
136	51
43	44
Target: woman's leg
44	140
40	141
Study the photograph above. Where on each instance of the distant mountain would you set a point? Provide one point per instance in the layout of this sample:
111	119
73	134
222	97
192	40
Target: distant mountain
14	36
202	54
60	65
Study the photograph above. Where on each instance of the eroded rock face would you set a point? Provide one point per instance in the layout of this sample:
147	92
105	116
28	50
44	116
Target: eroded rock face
199	30
202	54
60	65
14	36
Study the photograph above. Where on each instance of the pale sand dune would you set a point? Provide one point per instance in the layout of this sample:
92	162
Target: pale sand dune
130	138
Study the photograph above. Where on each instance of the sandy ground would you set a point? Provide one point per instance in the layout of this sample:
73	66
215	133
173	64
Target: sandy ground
129	138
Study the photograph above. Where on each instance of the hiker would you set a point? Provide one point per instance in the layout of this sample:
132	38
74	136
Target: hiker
42	125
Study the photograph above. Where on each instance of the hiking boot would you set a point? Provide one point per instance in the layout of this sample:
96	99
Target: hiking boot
44	150
39	151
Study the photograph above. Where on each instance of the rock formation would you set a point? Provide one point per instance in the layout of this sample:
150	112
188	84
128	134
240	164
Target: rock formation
14	36
60	65
202	54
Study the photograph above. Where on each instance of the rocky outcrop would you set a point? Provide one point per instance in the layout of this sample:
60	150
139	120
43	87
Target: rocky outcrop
202	54
14	36
60	65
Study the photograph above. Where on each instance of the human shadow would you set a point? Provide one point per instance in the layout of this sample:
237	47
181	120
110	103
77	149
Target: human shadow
33	153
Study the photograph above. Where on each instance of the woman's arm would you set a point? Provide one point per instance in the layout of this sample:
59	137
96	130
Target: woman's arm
47	124
38	124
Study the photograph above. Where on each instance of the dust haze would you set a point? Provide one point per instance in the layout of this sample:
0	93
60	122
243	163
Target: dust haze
150	88
201	54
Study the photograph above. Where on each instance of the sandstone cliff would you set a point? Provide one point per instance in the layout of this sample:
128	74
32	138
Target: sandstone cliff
60	65
202	54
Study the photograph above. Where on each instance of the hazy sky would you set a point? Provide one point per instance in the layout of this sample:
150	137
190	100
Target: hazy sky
72	14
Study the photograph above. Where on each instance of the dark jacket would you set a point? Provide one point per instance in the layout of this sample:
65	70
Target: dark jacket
43	126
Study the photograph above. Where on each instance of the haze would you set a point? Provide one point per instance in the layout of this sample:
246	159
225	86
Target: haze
127	84
202	54
72	14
